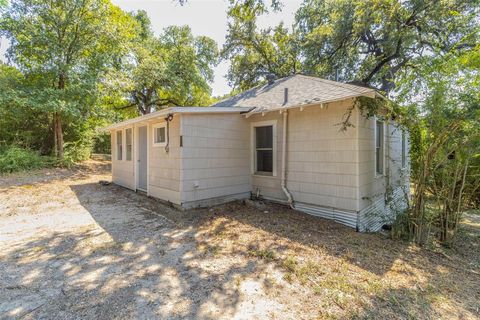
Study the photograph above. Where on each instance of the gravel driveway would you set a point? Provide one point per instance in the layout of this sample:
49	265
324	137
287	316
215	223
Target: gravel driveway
71	248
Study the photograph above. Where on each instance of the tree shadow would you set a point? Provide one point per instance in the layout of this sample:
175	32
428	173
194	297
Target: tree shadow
141	259
137	264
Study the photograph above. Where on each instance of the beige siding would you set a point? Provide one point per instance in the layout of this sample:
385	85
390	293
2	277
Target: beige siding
373	186
164	167
215	157
122	170
321	160
268	186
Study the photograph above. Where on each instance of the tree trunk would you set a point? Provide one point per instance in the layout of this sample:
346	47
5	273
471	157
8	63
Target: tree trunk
57	121
58	135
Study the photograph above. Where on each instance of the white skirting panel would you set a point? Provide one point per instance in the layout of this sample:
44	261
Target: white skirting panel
380	212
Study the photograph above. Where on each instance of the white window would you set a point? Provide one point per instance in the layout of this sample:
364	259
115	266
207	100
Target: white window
404	150
128	144
264	148
119	145
159	135
379	142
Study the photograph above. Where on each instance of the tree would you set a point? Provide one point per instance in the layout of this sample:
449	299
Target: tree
444	94
255	53
65	45
375	39
175	68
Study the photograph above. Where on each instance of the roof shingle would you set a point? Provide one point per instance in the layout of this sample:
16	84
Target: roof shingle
293	91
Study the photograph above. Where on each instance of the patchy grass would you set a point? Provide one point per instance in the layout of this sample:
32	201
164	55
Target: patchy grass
338	273
98	243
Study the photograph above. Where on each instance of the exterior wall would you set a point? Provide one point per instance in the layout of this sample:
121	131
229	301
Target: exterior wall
215	159
377	204
122	170
267	186
164	167
321	160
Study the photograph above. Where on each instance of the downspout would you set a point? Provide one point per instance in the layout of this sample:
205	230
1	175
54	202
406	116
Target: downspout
284	162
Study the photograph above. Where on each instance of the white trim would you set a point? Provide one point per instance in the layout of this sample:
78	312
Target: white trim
174	110
378	175
135	155
125	140
116	144
149	134
157	126
253	155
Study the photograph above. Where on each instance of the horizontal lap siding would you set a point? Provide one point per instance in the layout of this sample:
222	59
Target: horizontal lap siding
122	170
215	156
374	209
164	168
322	160
268	186
373	187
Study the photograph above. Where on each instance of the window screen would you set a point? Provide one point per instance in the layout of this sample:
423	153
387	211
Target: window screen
128	143
264	149
119	145
159	135
379	147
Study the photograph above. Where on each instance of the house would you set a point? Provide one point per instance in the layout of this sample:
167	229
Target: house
281	142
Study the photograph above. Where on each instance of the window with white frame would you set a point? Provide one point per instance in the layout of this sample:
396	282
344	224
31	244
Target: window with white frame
159	135
128	144
119	145
379	142
264	149
404	150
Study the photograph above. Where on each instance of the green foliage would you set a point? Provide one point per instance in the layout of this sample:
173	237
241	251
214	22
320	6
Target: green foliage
102	143
255	53
175	68
14	158
62	50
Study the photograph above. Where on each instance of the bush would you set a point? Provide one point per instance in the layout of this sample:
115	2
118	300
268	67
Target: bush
14	158
75	152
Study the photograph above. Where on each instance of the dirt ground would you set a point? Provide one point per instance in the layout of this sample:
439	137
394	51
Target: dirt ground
71	248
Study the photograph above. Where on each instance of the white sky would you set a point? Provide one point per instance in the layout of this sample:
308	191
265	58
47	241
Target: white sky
205	17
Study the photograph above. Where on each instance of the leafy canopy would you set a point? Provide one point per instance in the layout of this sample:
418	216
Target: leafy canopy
174	68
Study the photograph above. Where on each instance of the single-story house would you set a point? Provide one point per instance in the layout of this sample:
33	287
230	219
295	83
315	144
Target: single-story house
281	142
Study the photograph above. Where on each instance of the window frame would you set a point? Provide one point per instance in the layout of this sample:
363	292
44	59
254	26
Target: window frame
382	156
119	142
126	144
158	126
253	142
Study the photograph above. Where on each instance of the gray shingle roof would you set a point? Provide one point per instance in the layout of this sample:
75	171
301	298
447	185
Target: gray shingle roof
301	90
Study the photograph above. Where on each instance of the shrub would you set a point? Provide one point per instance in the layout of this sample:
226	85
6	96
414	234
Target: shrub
14	158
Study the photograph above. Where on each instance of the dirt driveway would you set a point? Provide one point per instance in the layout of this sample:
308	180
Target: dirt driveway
71	248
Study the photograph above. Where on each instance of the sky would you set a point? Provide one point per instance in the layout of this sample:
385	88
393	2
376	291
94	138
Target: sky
208	18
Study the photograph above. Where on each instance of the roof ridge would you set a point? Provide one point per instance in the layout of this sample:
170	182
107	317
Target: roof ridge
351	87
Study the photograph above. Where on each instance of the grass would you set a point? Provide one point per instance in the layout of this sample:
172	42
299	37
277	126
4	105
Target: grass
341	274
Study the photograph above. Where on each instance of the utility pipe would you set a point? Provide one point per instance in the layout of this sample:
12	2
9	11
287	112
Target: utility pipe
284	161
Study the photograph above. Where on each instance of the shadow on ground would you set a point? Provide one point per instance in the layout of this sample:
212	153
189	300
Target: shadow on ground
140	259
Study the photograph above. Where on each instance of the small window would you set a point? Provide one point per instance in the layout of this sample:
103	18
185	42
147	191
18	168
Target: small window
119	145
264	150
128	144
404	150
379	147
159	135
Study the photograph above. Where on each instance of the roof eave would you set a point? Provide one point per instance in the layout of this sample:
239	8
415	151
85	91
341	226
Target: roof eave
176	110
371	94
